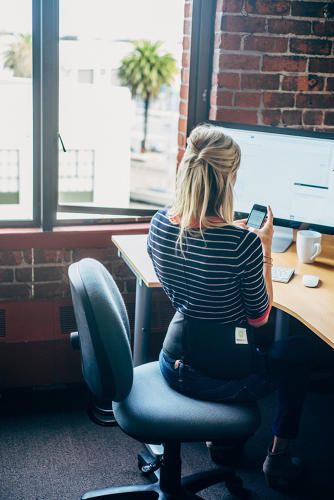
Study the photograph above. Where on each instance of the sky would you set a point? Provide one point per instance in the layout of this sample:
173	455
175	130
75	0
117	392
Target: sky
112	19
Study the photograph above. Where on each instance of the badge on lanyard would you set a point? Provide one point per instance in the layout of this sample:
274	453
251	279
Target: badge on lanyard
241	336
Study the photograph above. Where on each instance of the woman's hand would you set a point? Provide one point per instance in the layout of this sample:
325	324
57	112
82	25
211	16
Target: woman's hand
241	223
266	232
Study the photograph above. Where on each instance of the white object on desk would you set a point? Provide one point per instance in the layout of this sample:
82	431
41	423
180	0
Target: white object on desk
310	280
281	273
308	245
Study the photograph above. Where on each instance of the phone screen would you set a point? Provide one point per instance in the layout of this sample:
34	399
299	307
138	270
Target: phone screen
256	217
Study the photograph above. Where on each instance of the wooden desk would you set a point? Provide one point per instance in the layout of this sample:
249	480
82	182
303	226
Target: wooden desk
314	307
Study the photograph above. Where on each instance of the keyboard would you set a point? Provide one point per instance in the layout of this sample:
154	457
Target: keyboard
282	274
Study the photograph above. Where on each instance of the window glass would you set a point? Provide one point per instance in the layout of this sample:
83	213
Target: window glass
119	81
16	160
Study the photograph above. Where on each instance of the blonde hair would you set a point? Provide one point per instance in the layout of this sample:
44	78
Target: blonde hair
204	182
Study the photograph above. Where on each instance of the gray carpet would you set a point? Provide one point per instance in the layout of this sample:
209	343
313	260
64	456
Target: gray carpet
50	450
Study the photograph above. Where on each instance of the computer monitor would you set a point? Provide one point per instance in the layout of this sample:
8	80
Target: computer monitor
291	170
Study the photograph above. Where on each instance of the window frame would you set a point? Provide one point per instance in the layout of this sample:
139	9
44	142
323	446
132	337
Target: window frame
45	84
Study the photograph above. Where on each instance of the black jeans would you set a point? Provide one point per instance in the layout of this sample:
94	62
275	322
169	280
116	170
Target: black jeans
284	366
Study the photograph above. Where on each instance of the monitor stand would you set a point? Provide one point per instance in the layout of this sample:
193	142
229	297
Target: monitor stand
283	237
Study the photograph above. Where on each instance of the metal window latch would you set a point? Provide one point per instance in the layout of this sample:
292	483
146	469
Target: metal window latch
61	142
204	95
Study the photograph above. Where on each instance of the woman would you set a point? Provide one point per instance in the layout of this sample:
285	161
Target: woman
217	274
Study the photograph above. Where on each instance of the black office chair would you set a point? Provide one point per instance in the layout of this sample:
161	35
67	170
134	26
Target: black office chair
145	407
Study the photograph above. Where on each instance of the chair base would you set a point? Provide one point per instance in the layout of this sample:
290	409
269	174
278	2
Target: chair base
171	486
144	492
187	489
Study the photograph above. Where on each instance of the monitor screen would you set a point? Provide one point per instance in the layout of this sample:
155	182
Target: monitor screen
291	172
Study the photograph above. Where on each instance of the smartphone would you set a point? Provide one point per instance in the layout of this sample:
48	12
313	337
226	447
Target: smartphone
257	216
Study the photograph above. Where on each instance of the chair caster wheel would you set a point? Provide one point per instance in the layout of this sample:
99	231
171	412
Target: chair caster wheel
148	465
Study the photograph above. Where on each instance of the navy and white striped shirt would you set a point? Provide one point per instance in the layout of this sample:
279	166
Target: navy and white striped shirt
217	278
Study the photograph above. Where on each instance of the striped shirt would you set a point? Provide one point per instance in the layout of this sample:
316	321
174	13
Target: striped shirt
218	277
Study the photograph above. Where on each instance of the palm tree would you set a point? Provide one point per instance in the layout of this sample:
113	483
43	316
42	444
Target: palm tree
144	71
19	56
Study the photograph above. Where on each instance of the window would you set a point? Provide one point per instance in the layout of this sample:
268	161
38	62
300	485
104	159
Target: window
16	119
83	136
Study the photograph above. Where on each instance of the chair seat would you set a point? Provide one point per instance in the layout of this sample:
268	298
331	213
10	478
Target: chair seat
153	412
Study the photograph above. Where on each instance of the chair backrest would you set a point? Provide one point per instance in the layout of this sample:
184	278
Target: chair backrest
103	328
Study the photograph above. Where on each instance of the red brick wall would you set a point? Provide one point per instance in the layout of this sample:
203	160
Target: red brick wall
34	287
184	79
274	63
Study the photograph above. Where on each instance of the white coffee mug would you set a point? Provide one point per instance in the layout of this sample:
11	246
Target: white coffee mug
308	245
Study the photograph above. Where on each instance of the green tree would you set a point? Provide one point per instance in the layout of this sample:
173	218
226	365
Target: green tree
144	71
18	57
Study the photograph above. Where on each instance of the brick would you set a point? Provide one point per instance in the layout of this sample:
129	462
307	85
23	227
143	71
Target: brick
6	275
312	117
222	98
243	24
273	7
187	27
236	115
247	99
312	9
315	101
49	273
228	41
231	6
101	254
185	76
11	257
303	83
329	118
183	108
266	44
184	91
27	255
287	26
291	117
228	80
46	256
15	291
186	58
23	274
51	290
239	61
271	117
182	125
187	9
321	65
259	81
181	140
310	46
186	42
284	63
278	100
325	28
330	84
179	156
